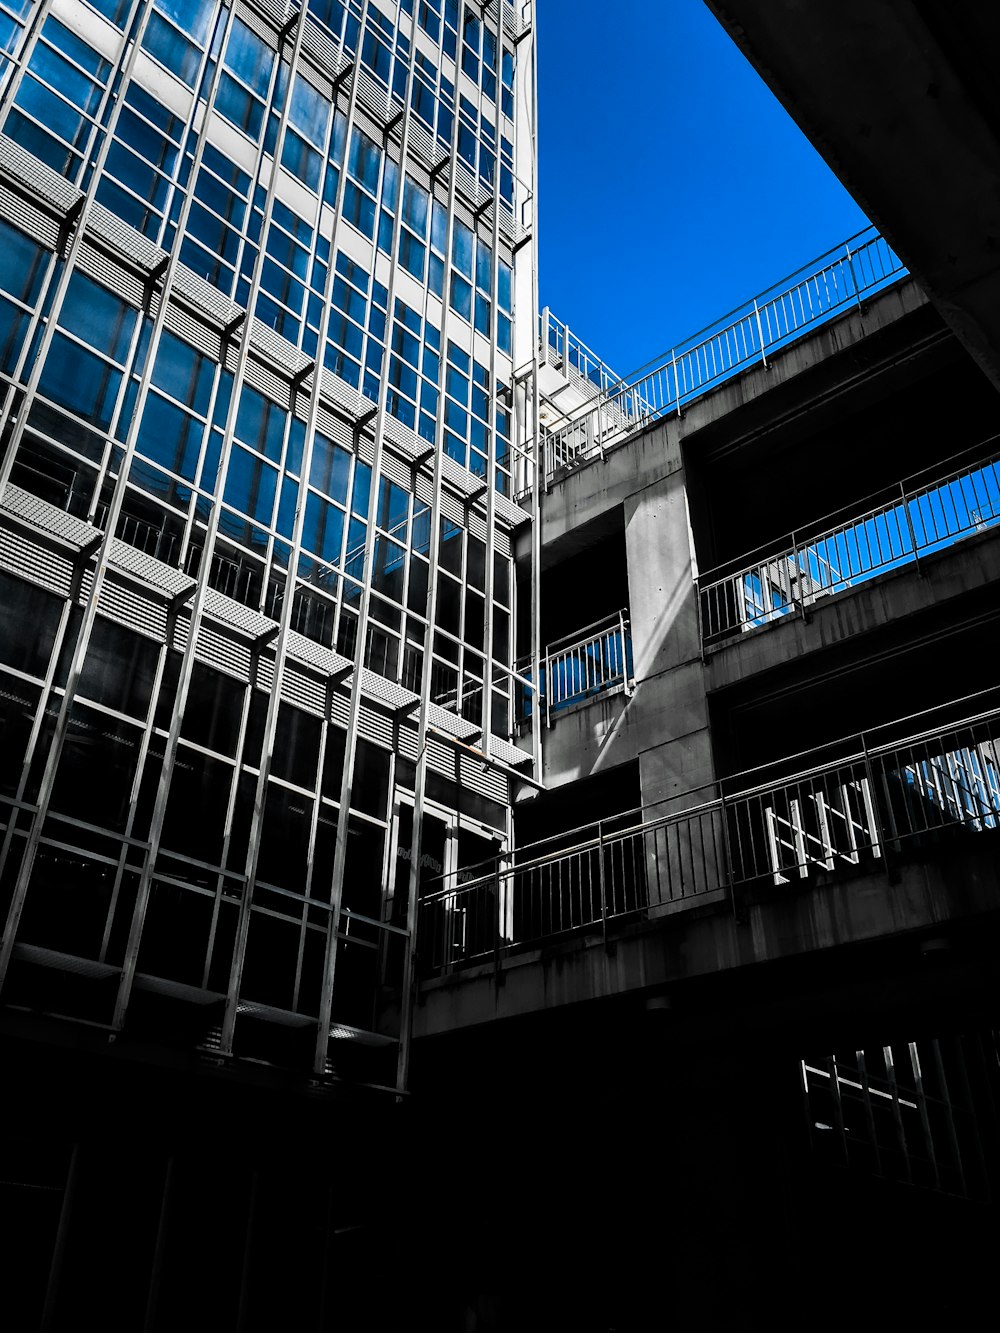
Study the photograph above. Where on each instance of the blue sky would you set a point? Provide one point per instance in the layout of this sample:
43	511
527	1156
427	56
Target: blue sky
672	184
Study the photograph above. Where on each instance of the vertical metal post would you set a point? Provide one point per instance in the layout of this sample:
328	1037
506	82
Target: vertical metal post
496	924
409	979
603	886
873	802
623	647
536	485
677	382
910	528
548	690
854	276
760	333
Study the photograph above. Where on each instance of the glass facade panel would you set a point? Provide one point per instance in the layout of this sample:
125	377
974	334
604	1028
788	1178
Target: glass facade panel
244	621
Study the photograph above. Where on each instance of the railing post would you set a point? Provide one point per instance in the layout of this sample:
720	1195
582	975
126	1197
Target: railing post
854	276
739	908
624	652
677	383
548	691
911	528
496	925
873	794
760	333
800	598
600	871
544	358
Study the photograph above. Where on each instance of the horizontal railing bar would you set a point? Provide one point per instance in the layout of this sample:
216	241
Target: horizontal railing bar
787	830
702	336
731	798
587	634
851	515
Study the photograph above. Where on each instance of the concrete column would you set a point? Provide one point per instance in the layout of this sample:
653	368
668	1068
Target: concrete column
669	706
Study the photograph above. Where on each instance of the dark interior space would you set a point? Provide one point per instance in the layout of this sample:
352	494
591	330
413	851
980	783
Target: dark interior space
563	809
588	583
885	418
878	681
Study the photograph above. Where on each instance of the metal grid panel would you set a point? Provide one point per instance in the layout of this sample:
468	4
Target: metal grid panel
510	513
204	297
507	753
163	577
301	688
116	277
125	239
315	655
41	180
343	395
193	331
277	348
36	564
240	617
21	213
386	692
459	727
227	652
47	518
128	607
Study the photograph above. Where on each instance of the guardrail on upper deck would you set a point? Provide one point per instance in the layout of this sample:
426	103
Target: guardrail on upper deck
860	268
932	788
901	524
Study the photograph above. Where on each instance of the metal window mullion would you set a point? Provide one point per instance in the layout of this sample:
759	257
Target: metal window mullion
144	744
897	1111
866	1094
408	995
288	605
72	248
925	1122
354	706
47	783
37	723
211	528
21	61
492	442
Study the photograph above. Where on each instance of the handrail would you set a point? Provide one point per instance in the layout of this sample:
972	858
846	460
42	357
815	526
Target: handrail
799	777
819	560
584	664
855	812
723	785
818	291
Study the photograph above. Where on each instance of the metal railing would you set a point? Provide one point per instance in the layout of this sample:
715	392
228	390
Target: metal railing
860	268
557	340
878	801
581	666
915	517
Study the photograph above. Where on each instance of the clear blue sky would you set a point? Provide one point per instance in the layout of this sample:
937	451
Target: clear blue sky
672	184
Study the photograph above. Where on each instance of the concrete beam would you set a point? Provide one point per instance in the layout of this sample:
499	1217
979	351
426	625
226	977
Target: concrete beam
900	99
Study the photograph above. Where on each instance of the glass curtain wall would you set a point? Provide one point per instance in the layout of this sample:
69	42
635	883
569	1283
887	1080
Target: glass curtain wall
268	283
